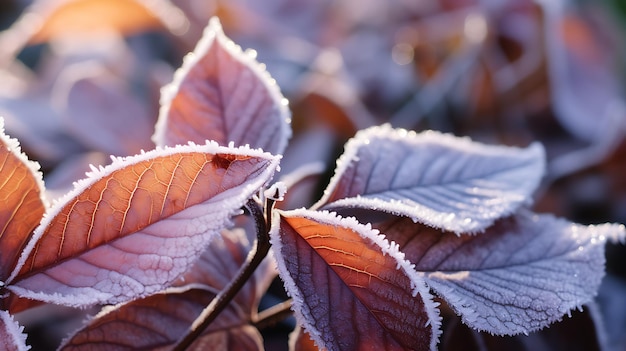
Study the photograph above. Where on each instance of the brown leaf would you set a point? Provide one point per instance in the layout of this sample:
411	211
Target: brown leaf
158	321
351	290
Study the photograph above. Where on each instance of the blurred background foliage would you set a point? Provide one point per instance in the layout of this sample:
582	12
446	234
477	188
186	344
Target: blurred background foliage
80	79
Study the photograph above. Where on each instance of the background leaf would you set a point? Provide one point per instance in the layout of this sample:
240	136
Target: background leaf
520	275
158	321
588	96
583	331
443	181
135	226
102	111
223	94
351	290
11	336
68	17
21	206
221	262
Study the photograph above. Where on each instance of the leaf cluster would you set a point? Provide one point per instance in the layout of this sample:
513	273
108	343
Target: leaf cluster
174	242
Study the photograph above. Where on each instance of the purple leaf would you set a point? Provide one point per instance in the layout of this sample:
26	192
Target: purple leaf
133	227
223	94
351	289
11	336
587	94
101	111
438	179
520	275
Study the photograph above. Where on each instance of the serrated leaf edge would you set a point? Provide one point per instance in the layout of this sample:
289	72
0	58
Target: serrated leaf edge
431	218
15	329
14	146
601	233
118	163
214	33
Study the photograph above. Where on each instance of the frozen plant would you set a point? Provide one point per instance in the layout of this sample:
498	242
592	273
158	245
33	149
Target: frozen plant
161	239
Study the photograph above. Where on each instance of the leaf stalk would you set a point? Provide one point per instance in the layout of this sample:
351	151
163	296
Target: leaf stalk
225	296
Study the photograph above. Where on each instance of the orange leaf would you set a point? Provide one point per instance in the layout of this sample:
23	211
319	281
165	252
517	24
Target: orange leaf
21	202
80	17
133	227
351	289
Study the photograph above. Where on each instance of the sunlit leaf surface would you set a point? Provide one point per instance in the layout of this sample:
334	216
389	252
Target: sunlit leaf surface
351	289
21	203
223	94
78	17
135	226
443	181
520	275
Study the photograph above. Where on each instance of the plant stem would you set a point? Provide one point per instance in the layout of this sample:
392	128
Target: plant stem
273	315
255	257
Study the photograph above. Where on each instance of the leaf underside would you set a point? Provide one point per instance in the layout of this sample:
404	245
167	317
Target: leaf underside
437	179
520	275
223	94
137	225
348	293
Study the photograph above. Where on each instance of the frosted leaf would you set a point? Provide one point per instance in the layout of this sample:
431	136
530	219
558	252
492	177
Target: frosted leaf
12	337
520	275
222	93
351	289
134	226
21	201
437	179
